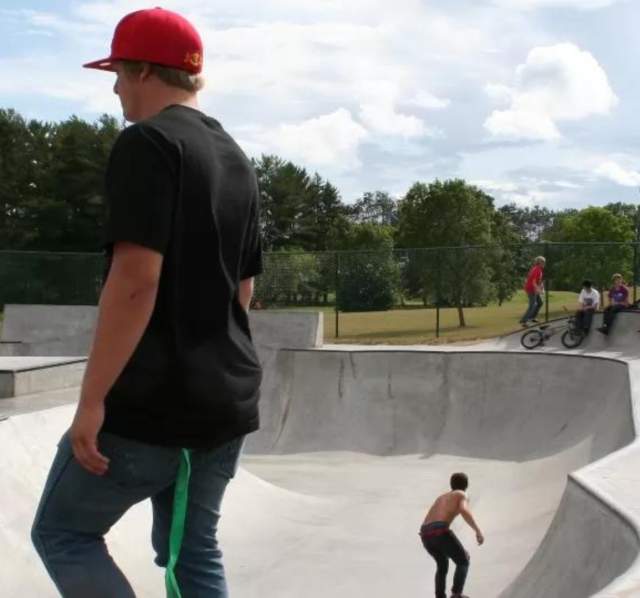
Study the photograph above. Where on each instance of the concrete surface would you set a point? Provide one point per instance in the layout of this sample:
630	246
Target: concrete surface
354	447
54	330
29	375
357	441
50	330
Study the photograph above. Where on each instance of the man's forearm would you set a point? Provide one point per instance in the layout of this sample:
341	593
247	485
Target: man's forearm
245	292
124	312
468	517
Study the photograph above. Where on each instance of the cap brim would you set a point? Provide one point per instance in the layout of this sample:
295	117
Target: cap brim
105	64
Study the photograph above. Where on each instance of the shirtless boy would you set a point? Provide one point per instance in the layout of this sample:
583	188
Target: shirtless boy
441	543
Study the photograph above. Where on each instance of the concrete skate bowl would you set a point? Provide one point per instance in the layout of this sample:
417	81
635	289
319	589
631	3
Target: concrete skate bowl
354	446
376	434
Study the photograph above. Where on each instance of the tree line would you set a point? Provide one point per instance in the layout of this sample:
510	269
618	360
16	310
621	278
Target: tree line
52	199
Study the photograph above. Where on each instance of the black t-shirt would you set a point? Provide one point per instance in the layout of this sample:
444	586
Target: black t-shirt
177	183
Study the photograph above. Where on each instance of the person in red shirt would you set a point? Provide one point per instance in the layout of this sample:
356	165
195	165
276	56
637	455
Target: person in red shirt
534	287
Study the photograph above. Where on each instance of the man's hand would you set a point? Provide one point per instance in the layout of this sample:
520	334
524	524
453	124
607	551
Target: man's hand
84	437
480	538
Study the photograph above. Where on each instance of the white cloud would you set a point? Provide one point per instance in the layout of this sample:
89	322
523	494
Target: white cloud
556	83
292	54
525	191
94	90
384	119
627	177
534	4
522	124
52	23
428	101
510	192
328	140
567	185
499	93
489	186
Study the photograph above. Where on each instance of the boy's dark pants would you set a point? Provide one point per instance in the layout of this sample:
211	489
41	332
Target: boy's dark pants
442	544
584	317
609	315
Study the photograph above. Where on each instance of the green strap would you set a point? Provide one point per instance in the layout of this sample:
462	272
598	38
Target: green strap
176	535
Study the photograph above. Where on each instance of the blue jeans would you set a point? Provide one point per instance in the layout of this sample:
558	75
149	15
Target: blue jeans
535	303
78	508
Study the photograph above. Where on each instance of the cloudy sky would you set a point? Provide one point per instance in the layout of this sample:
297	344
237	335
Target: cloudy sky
536	101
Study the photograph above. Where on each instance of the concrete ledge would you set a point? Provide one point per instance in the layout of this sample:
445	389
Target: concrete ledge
27	375
11	348
50	329
68	329
290	329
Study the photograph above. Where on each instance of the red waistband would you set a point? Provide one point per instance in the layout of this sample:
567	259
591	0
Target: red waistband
435	531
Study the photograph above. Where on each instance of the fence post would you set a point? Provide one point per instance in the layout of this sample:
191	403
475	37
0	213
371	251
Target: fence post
337	281
439	262
546	302
547	284
635	270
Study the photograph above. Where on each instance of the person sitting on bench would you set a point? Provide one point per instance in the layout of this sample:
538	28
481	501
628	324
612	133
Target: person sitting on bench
618	301
588	304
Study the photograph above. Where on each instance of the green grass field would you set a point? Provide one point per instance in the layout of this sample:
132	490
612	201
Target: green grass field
415	325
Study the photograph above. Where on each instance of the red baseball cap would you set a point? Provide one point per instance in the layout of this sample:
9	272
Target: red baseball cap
154	35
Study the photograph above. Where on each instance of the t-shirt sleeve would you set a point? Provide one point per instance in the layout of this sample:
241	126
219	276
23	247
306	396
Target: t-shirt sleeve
141	189
252	254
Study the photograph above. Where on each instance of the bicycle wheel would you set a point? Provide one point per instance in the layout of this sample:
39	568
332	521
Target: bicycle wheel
531	339
572	338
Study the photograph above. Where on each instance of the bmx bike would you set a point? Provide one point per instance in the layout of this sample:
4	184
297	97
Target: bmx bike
571	337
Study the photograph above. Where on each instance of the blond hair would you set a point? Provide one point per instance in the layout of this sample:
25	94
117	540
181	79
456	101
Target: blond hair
171	76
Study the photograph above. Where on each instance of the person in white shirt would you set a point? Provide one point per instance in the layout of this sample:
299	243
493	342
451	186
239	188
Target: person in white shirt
588	304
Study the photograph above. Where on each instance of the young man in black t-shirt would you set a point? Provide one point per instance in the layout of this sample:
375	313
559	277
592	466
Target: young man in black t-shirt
172	381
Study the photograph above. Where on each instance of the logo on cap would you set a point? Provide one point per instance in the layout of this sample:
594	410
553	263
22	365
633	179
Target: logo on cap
193	58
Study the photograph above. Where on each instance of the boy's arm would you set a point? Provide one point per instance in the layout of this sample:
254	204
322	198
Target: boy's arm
540	281
466	514
245	292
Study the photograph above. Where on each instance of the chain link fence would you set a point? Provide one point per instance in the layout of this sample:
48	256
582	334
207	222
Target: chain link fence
50	278
369	288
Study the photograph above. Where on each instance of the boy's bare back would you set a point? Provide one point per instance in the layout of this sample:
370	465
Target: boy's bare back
446	507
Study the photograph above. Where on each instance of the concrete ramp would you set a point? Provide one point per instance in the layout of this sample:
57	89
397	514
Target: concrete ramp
509	406
355	445
587	546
